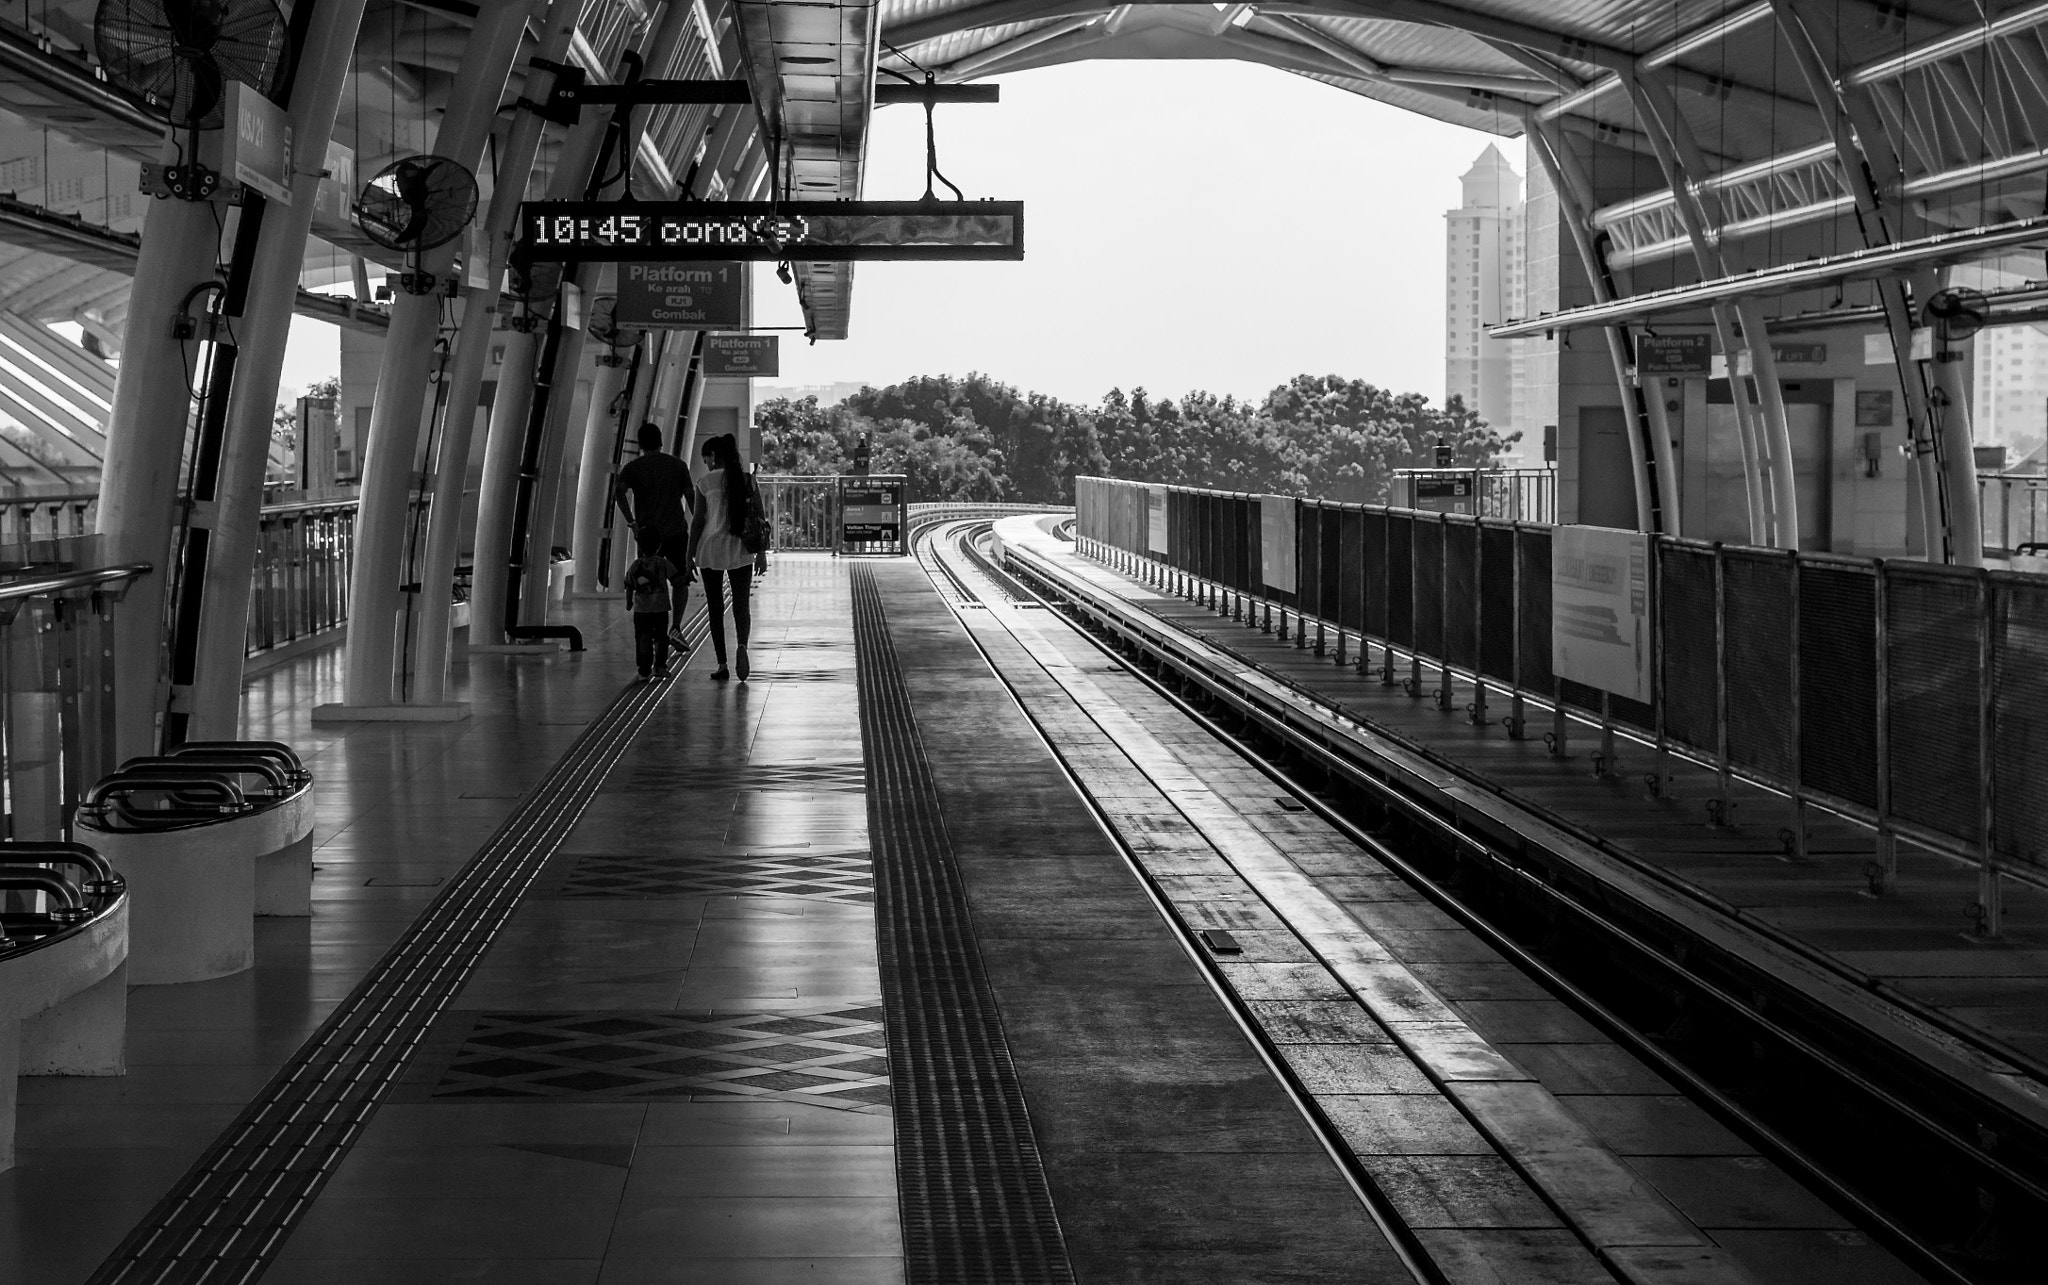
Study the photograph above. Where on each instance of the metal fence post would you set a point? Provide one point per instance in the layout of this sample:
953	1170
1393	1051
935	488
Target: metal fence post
1444	699
1660	763
1518	712
1476	712
1719	809
1886	877
1796	780
1990	888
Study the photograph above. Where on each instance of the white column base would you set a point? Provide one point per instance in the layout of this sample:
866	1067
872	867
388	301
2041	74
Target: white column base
452	712
546	648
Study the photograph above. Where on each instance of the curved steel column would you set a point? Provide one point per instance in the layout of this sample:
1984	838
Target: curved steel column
498	489
465	377
402	385
1569	186
323	66
601	425
140	485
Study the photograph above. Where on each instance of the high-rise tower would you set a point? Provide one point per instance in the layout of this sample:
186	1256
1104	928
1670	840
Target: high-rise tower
1484	284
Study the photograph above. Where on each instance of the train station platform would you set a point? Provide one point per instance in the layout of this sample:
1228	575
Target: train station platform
952	946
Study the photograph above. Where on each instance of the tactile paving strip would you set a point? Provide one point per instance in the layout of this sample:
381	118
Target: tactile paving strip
831	1058
846	877
972	1189
231	1212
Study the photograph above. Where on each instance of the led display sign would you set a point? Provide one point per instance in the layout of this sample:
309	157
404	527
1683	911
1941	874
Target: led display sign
659	231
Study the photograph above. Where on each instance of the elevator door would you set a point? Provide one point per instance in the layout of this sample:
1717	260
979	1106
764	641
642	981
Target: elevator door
1727	509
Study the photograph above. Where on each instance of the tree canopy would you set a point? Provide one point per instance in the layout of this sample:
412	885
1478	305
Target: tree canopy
976	438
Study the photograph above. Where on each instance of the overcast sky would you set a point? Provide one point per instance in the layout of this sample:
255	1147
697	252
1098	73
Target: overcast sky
1189	225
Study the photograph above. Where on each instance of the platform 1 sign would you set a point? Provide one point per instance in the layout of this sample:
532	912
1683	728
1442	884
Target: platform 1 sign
1600	609
1276	541
800	231
743	355
681	296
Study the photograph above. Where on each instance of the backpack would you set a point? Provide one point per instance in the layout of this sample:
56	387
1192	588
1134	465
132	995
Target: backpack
754	528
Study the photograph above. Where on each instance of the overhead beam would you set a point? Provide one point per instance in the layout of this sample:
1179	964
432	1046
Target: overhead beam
1881	262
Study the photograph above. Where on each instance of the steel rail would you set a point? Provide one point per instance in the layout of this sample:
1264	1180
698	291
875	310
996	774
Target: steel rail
1768	1139
1399	1236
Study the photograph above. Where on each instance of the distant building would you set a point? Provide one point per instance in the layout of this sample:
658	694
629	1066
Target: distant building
827	394
2009	405
1485	283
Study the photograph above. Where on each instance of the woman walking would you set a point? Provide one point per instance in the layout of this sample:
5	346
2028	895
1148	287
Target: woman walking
726	500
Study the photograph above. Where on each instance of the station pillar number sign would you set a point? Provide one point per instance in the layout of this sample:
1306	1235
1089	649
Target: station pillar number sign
871	514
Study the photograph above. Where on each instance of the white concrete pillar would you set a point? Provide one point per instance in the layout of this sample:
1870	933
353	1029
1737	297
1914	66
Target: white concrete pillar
403	396
429	659
264	326
146	431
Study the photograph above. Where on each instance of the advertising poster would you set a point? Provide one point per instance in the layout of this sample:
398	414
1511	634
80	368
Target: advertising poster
1600	609
1276	541
1155	513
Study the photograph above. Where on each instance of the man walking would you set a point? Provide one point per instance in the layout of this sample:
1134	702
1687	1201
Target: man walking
651	494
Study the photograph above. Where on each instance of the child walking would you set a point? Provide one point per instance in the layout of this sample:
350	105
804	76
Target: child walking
647	598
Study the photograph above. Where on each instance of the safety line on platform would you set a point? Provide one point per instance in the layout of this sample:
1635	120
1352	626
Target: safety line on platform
228	1217
971	1185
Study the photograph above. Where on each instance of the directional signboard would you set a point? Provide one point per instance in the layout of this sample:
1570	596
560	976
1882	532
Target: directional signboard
805	231
748	355
681	296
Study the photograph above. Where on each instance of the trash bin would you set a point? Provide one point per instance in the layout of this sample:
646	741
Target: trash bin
206	838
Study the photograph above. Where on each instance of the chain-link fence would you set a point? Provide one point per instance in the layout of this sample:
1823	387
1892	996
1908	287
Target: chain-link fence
1907	697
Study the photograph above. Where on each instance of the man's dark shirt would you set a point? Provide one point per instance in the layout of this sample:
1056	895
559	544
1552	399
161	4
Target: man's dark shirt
659	482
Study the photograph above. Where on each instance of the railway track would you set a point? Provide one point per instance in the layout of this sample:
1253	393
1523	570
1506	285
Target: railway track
1941	1208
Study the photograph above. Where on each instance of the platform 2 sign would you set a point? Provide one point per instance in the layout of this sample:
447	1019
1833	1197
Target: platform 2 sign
743	355
1600	609
763	231
681	296
1674	354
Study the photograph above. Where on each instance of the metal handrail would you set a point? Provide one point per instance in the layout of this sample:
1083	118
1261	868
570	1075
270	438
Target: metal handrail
52	882
274	776
100	876
12	590
220	784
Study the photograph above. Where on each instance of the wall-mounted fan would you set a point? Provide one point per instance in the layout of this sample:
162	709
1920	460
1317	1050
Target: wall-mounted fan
175	58
413	205
603	326
526	284
1956	313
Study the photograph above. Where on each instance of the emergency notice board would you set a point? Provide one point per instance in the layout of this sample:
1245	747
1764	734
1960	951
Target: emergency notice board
1600	609
871	512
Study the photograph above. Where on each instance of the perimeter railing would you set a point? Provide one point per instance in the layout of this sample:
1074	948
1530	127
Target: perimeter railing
1906	697
57	701
2015	512
298	585
57	516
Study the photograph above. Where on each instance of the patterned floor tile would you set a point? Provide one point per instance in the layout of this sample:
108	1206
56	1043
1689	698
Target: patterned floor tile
843	877
832	1058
